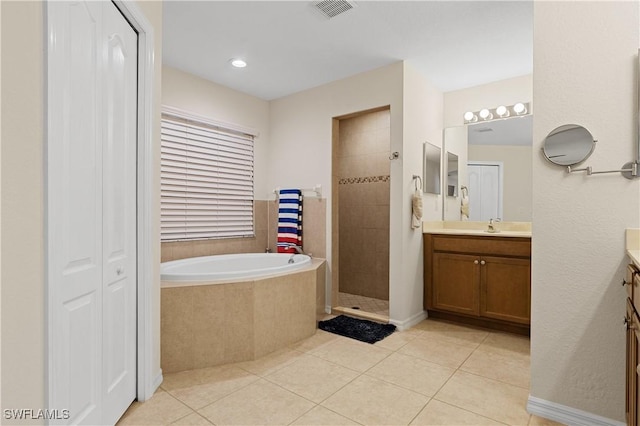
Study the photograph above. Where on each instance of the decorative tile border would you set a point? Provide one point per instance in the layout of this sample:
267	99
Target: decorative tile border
366	179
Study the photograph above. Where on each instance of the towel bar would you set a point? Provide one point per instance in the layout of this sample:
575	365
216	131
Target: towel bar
317	190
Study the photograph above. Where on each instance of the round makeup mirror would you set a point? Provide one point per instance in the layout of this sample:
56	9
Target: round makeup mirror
568	145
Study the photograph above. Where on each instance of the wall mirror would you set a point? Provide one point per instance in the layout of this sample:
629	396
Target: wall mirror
496	167
452	174
568	145
431	168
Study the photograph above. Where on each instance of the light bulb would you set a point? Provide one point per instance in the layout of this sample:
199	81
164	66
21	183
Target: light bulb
470	117
519	108
238	63
502	111
485	114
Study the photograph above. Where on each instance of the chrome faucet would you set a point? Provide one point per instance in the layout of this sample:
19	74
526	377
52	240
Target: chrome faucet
492	226
298	250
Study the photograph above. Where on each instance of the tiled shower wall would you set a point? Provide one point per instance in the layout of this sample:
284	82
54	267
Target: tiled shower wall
265	216
363	204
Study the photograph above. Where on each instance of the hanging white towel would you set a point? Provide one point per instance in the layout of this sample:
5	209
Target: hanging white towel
416	209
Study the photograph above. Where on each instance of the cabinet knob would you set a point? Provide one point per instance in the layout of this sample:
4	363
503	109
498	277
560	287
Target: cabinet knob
628	324
624	282
475	262
482	262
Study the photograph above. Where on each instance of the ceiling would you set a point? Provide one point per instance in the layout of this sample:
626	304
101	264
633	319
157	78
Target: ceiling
290	47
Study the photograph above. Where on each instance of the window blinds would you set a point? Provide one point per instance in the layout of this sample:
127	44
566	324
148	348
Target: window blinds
206	181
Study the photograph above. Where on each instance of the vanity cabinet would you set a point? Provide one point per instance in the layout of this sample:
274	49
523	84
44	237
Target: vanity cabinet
632	323
482	280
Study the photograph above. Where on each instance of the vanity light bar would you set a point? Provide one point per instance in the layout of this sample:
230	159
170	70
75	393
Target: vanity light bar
498	113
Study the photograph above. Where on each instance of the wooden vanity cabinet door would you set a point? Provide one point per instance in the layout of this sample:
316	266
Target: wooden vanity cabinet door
631	400
455	283
505	289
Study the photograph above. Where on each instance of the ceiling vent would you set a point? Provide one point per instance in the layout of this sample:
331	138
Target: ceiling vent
332	8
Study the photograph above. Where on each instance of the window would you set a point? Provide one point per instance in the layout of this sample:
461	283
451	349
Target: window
206	179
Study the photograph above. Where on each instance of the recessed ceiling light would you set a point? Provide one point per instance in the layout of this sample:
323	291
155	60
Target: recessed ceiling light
238	63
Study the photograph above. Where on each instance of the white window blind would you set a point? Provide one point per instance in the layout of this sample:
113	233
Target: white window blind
206	181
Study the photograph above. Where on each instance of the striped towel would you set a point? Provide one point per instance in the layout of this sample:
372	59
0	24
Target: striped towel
289	220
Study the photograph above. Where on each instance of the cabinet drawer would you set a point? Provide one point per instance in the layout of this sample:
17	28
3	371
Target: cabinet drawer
520	247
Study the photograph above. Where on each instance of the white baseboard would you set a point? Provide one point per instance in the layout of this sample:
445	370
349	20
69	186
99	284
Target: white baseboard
157	382
409	322
567	415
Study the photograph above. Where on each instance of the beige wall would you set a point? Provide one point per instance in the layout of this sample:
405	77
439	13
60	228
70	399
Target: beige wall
23	286
517	175
23	332
301	127
194	94
422	121
363	207
585	66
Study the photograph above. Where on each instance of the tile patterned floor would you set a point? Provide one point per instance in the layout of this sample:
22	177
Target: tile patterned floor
367	304
436	373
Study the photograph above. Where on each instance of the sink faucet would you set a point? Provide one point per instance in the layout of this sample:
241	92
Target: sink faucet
492	226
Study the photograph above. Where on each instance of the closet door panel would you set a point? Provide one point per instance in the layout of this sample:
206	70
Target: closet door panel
75	209
119	225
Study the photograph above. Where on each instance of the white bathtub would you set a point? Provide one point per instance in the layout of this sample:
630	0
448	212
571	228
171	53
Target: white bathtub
231	267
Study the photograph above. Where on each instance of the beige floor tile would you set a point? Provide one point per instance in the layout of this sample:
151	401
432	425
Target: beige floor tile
507	342
459	335
260	403
320	338
197	388
312	378
397	340
438	413
489	398
371	401
541	421
352	354
437	351
270	363
436	324
512	368
412	373
320	416
161	409
194	419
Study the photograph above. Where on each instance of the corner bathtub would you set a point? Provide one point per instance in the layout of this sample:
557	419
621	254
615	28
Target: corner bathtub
232	308
231	266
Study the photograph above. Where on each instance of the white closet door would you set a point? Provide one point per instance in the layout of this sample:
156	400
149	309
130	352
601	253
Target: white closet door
91	212
485	192
119	210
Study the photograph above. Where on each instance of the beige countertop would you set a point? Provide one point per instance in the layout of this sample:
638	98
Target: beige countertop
633	245
505	229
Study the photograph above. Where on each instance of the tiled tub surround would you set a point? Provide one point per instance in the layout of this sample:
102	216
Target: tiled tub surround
208	324
266	222
363	204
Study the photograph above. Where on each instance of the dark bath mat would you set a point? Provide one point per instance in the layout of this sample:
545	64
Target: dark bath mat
359	329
